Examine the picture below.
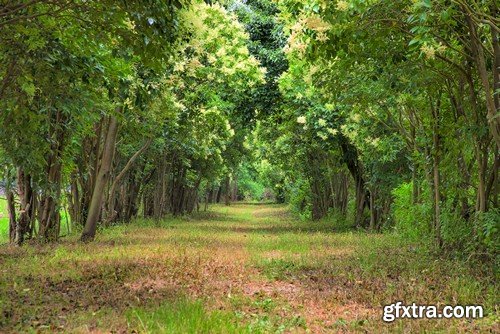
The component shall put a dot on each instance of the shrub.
(412, 221)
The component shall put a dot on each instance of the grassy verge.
(246, 268)
(183, 316)
(66, 227)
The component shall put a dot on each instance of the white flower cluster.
(342, 5)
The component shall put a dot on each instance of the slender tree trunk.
(234, 189)
(111, 199)
(74, 201)
(192, 199)
(218, 194)
(207, 195)
(437, 201)
(492, 187)
(316, 210)
(49, 206)
(360, 201)
(87, 170)
(373, 210)
(478, 53)
(496, 57)
(11, 209)
(51, 196)
(435, 172)
(481, 158)
(26, 209)
(334, 195)
(159, 192)
(101, 181)
(344, 195)
(414, 173)
(227, 197)
(351, 159)
(133, 196)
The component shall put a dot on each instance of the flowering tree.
(398, 78)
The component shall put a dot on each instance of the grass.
(247, 268)
(4, 222)
(183, 316)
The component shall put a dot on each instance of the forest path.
(242, 268)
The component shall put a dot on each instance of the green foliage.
(4, 222)
(457, 232)
(412, 220)
(489, 230)
(266, 42)
(249, 186)
(299, 195)
(390, 110)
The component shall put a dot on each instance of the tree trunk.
(26, 207)
(482, 160)
(437, 202)
(234, 189)
(360, 201)
(227, 197)
(350, 156)
(74, 200)
(49, 204)
(492, 187)
(435, 169)
(11, 209)
(207, 195)
(111, 198)
(478, 53)
(101, 181)
(373, 210)
(218, 194)
(343, 195)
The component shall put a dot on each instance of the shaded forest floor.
(246, 268)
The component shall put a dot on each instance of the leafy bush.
(412, 221)
(299, 195)
(488, 226)
(248, 186)
(455, 231)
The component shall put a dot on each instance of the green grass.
(183, 316)
(247, 268)
(66, 227)
(4, 222)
